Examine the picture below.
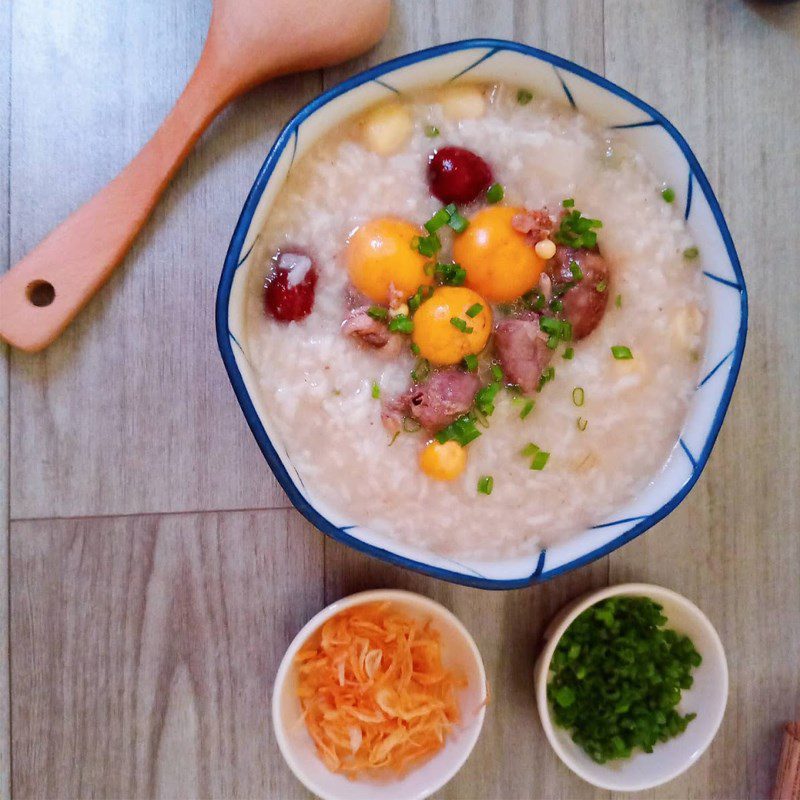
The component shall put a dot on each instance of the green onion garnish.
(462, 431)
(582, 423)
(411, 425)
(427, 245)
(486, 484)
(526, 409)
(495, 193)
(431, 131)
(601, 287)
(438, 220)
(578, 396)
(691, 252)
(394, 438)
(539, 460)
(459, 323)
(471, 362)
(474, 310)
(576, 230)
(550, 325)
(419, 297)
(556, 305)
(378, 312)
(415, 348)
(421, 370)
(529, 450)
(485, 397)
(568, 203)
(534, 300)
(668, 194)
(524, 97)
(575, 269)
(552, 342)
(616, 678)
(401, 324)
(547, 375)
(621, 353)
(376, 390)
(618, 301)
(568, 353)
(450, 274)
(497, 373)
(458, 223)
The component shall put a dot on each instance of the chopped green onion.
(547, 375)
(524, 97)
(691, 252)
(401, 324)
(526, 409)
(411, 425)
(529, 450)
(458, 223)
(495, 193)
(576, 230)
(415, 348)
(582, 423)
(575, 269)
(450, 274)
(556, 305)
(486, 484)
(668, 194)
(568, 203)
(427, 245)
(621, 353)
(568, 353)
(578, 396)
(459, 323)
(438, 220)
(462, 431)
(539, 460)
(419, 297)
(376, 390)
(471, 362)
(550, 325)
(378, 312)
(421, 370)
(552, 342)
(618, 301)
(497, 373)
(394, 438)
(431, 131)
(601, 287)
(485, 397)
(474, 310)
(534, 299)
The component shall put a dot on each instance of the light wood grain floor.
(154, 571)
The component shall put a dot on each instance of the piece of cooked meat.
(584, 305)
(522, 350)
(443, 397)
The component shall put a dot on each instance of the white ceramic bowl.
(458, 650)
(707, 697)
(632, 121)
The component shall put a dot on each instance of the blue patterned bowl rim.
(234, 258)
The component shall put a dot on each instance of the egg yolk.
(499, 262)
(379, 255)
(443, 462)
(443, 330)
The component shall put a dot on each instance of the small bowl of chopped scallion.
(631, 686)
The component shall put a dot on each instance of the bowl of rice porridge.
(482, 313)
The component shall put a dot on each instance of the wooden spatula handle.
(41, 294)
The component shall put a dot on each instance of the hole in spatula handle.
(40, 293)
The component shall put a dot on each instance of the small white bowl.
(458, 651)
(707, 697)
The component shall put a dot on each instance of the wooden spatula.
(249, 42)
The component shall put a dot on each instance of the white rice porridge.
(317, 383)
